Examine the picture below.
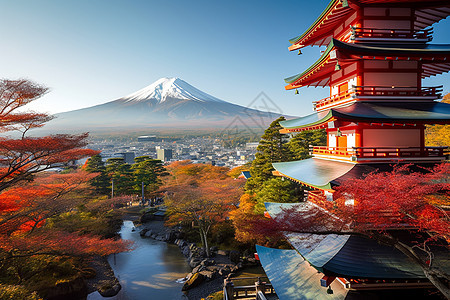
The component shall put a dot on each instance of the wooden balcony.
(379, 93)
(406, 92)
(341, 97)
(380, 153)
(377, 34)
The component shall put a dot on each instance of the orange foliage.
(24, 208)
(382, 201)
(249, 225)
(200, 193)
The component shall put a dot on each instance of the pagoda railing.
(397, 91)
(380, 152)
(402, 34)
(337, 151)
(369, 152)
(375, 91)
(334, 98)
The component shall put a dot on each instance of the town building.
(378, 52)
(164, 154)
(147, 138)
(128, 157)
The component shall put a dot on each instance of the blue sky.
(94, 51)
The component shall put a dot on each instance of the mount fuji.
(166, 103)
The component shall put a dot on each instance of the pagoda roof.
(293, 278)
(327, 174)
(352, 256)
(317, 173)
(435, 59)
(430, 112)
(321, 31)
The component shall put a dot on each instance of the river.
(149, 271)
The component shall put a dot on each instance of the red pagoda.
(377, 54)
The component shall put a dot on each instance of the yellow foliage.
(438, 135)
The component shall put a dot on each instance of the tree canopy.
(438, 135)
(31, 194)
(200, 193)
(378, 206)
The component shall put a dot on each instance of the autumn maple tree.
(202, 194)
(380, 206)
(438, 135)
(30, 193)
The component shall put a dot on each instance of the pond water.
(149, 271)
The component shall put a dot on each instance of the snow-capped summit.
(166, 103)
(170, 87)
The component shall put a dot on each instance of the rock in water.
(194, 281)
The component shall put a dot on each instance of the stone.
(188, 276)
(148, 233)
(223, 252)
(196, 269)
(214, 268)
(143, 232)
(194, 262)
(201, 252)
(186, 251)
(194, 281)
(110, 292)
(224, 271)
(208, 275)
(169, 236)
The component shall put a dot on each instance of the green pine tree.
(148, 171)
(121, 173)
(272, 148)
(278, 190)
(300, 142)
(101, 183)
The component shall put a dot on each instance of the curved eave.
(313, 172)
(320, 32)
(326, 187)
(426, 50)
(421, 113)
(427, 13)
(324, 58)
(435, 60)
(313, 121)
(430, 112)
(293, 277)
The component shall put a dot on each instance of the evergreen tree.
(278, 190)
(299, 143)
(272, 148)
(148, 171)
(121, 173)
(101, 183)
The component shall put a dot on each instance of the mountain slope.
(166, 103)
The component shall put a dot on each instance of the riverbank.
(208, 285)
(105, 278)
(210, 271)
